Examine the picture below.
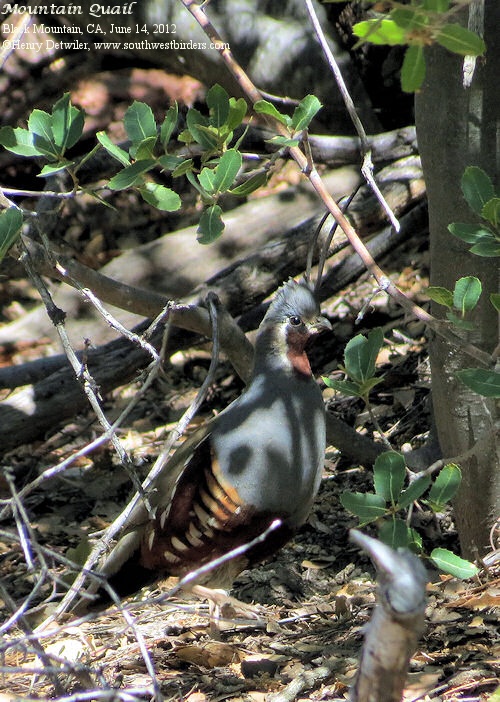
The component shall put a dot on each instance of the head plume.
(292, 299)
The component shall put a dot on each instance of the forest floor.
(315, 596)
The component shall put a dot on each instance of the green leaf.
(183, 168)
(305, 112)
(442, 296)
(495, 300)
(467, 293)
(454, 565)
(207, 179)
(487, 248)
(159, 196)
(249, 186)
(11, 221)
(344, 386)
(211, 225)
(459, 322)
(445, 487)
(185, 137)
(280, 140)
(206, 197)
(113, 149)
(460, 40)
(413, 69)
(264, 107)
(415, 543)
(49, 170)
(477, 188)
(218, 103)
(195, 120)
(395, 533)
(40, 126)
(237, 111)
(169, 124)
(389, 473)
(227, 169)
(139, 122)
(377, 31)
(18, 141)
(369, 384)
(491, 211)
(481, 380)
(361, 354)
(471, 233)
(67, 123)
(366, 506)
(413, 492)
(130, 175)
(40, 123)
(410, 20)
(437, 5)
(144, 149)
(220, 178)
(169, 163)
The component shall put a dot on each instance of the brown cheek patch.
(296, 342)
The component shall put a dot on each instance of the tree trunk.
(459, 127)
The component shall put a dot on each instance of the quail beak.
(316, 326)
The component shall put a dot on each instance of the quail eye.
(295, 321)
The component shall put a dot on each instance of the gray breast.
(270, 444)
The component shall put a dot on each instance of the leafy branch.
(424, 23)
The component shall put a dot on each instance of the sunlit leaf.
(249, 186)
(442, 296)
(267, 108)
(467, 293)
(454, 565)
(361, 354)
(195, 120)
(305, 112)
(161, 197)
(130, 175)
(445, 487)
(378, 31)
(18, 141)
(67, 123)
(491, 211)
(169, 124)
(139, 122)
(113, 149)
(413, 492)
(218, 103)
(211, 225)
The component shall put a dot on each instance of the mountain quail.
(259, 460)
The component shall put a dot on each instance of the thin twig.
(159, 465)
(81, 371)
(367, 167)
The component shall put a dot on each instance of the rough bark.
(458, 127)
